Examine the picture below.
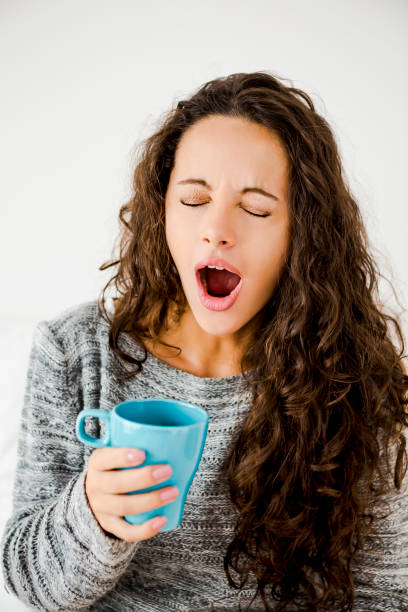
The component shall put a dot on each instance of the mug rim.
(163, 400)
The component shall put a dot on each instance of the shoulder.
(82, 314)
(74, 330)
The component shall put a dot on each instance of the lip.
(217, 261)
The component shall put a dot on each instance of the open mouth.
(218, 283)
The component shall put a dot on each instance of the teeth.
(216, 267)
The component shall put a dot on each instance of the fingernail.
(169, 493)
(136, 456)
(159, 522)
(162, 472)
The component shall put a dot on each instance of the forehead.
(233, 146)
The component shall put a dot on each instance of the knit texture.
(55, 556)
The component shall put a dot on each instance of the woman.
(281, 340)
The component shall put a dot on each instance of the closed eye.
(248, 211)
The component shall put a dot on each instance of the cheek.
(172, 230)
(174, 222)
(178, 239)
(268, 266)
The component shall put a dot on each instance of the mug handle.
(99, 413)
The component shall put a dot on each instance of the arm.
(381, 576)
(54, 554)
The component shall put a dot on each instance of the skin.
(229, 154)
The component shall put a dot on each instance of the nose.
(217, 225)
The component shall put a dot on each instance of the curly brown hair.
(329, 389)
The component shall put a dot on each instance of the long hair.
(329, 388)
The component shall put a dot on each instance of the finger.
(110, 458)
(131, 533)
(126, 505)
(124, 481)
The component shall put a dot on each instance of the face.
(229, 155)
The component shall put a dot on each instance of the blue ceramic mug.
(169, 431)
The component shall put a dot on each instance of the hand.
(106, 489)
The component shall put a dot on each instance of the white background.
(83, 82)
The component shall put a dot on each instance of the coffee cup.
(169, 431)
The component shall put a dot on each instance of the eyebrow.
(245, 190)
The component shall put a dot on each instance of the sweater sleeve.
(55, 555)
(381, 580)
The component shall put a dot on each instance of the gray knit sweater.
(54, 554)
